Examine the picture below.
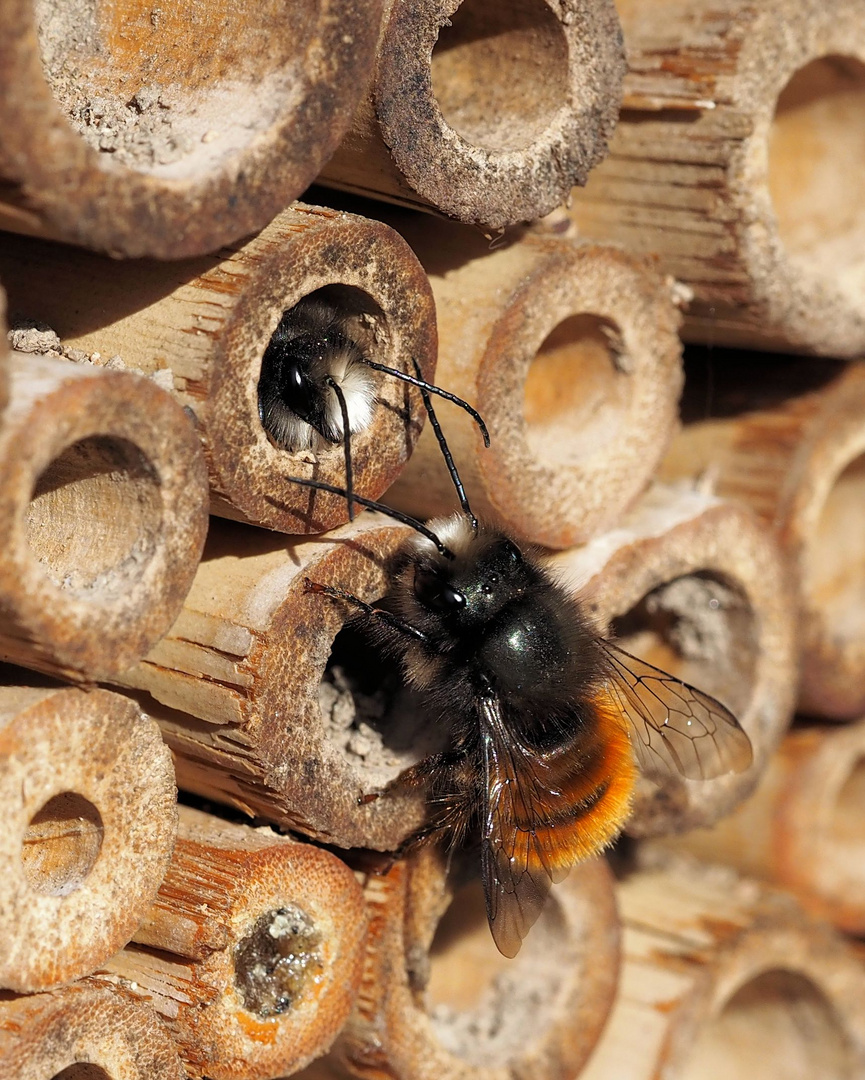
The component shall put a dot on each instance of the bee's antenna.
(445, 449)
(346, 445)
(422, 384)
(371, 504)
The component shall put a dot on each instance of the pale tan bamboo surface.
(252, 952)
(789, 441)
(449, 123)
(571, 354)
(169, 132)
(723, 978)
(84, 1032)
(103, 514)
(738, 159)
(88, 801)
(203, 325)
(698, 588)
(438, 1002)
(237, 687)
(803, 827)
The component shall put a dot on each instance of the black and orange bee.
(549, 721)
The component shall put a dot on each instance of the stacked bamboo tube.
(723, 550)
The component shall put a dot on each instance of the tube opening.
(816, 164)
(61, 844)
(833, 573)
(485, 1008)
(278, 961)
(483, 62)
(576, 390)
(699, 628)
(82, 1070)
(326, 336)
(377, 723)
(125, 78)
(94, 518)
(778, 1026)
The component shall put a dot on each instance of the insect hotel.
(432, 540)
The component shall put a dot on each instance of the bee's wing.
(675, 728)
(520, 856)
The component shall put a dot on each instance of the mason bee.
(549, 722)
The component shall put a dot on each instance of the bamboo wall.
(632, 236)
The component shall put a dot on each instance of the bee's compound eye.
(437, 594)
(512, 552)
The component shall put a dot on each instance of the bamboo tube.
(84, 1032)
(722, 978)
(696, 587)
(205, 325)
(571, 354)
(170, 131)
(254, 950)
(88, 799)
(439, 1003)
(238, 686)
(738, 160)
(790, 442)
(103, 513)
(802, 827)
(449, 122)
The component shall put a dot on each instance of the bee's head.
(486, 572)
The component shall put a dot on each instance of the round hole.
(833, 574)
(485, 1008)
(61, 844)
(377, 723)
(82, 1070)
(123, 77)
(699, 629)
(326, 336)
(277, 961)
(95, 515)
(483, 62)
(575, 391)
(778, 1026)
(816, 165)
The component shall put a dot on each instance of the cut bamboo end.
(697, 588)
(254, 952)
(103, 514)
(84, 1032)
(88, 796)
(170, 132)
(262, 706)
(438, 1002)
(738, 160)
(448, 123)
(722, 978)
(571, 354)
(205, 326)
(792, 446)
(802, 827)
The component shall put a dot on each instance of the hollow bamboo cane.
(571, 354)
(88, 798)
(84, 1032)
(103, 513)
(438, 1001)
(696, 587)
(723, 978)
(171, 131)
(449, 123)
(252, 951)
(789, 441)
(237, 687)
(738, 161)
(801, 829)
(205, 324)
